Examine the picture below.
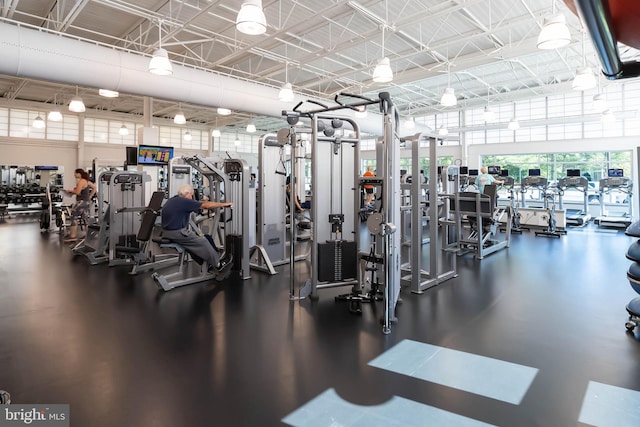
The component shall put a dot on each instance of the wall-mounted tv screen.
(534, 172)
(493, 170)
(573, 172)
(464, 170)
(504, 172)
(46, 168)
(614, 173)
(154, 155)
(473, 172)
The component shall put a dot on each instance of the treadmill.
(573, 180)
(616, 182)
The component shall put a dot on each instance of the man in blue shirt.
(175, 225)
(485, 179)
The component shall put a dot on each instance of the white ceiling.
(484, 49)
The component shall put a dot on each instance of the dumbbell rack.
(26, 198)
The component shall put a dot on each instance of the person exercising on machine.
(84, 191)
(175, 227)
(485, 179)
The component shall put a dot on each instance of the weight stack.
(337, 261)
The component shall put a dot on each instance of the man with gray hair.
(175, 226)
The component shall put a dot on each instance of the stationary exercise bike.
(552, 226)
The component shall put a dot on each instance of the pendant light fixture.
(223, 111)
(449, 96)
(76, 105)
(123, 131)
(584, 79)
(55, 115)
(216, 131)
(513, 124)
(286, 91)
(599, 103)
(160, 64)
(409, 123)
(488, 115)
(39, 123)
(555, 33)
(607, 118)
(179, 118)
(187, 136)
(443, 131)
(251, 19)
(251, 127)
(383, 73)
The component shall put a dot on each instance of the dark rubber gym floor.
(123, 353)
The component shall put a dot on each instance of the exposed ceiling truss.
(484, 49)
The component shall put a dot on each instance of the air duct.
(43, 55)
(597, 18)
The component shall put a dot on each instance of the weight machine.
(120, 222)
(442, 258)
(483, 216)
(272, 245)
(335, 206)
(181, 172)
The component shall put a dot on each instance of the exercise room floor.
(530, 336)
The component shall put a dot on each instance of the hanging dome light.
(123, 131)
(443, 131)
(599, 103)
(224, 111)
(76, 105)
(251, 19)
(513, 124)
(179, 118)
(251, 127)
(607, 118)
(448, 98)
(216, 133)
(187, 136)
(410, 123)
(555, 33)
(55, 116)
(584, 79)
(489, 115)
(383, 73)
(286, 93)
(39, 123)
(160, 64)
